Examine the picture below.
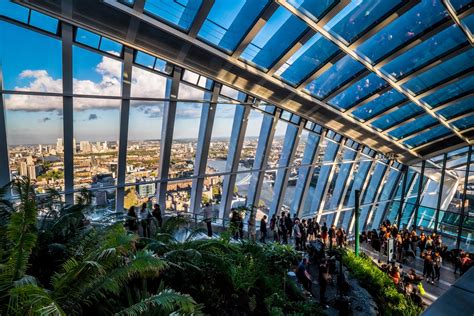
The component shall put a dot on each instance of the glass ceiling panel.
(432, 134)
(458, 5)
(229, 21)
(412, 127)
(453, 90)
(314, 9)
(311, 56)
(461, 106)
(14, 11)
(358, 16)
(414, 22)
(178, 12)
(397, 116)
(44, 22)
(441, 72)
(469, 23)
(342, 71)
(464, 123)
(426, 52)
(359, 90)
(275, 37)
(374, 107)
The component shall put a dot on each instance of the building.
(59, 145)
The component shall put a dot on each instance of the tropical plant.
(379, 285)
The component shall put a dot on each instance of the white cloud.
(144, 84)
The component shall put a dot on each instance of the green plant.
(379, 285)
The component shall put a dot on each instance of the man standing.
(207, 212)
(263, 228)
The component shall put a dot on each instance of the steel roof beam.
(257, 26)
(200, 17)
(375, 69)
(457, 19)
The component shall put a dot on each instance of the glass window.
(252, 133)
(378, 105)
(407, 27)
(276, 147)
(111, 47)
(341, 72)
(278, 33)
(459, 5)
(14, 11)
(212, 193)
(178, 195)
(426, 52)
(371, 191)
(87, 38)
(297, 159)
(44, 22)
(144, 59)
(241, 189)
(464, 123)
(233, 93)
(186, 131)
(25, 67)
(449, 69)
(311, 56)
(358, 91)
(220, 138)
(461, 106)
(149, 84)
(34, 127)
(314, 199)
(315, 9)
(180, 13)
(398, 116)
(96, 133)
(412, 127)
(144, 140)
(95, 74)
(468, 22)
(358, 16)
(453, 90)
(386, 194)
(432, 134)
(229, 21)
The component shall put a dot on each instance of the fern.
(166, 302)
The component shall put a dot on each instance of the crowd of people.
(146, 219)
(302, 231)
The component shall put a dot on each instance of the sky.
(32, 62)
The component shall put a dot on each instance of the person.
(297, 234)
(332, 235)
(283, 232)
(339, 237)
(131, 222)
(310, 229)
(235, 223)
(428, 269)
(289, 225)
(323, 278)
(395, 274)
(466, 263)
(274, 227)
(303, 275)
(324, 233)
(207, 213)
(437, 265)
(422, 243)
(157, 214)
(145, 218)
(304, 233)
(413, 241)
(263, 228)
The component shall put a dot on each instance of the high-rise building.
(32, 172)
(23, 169)
(29, 160)
(59, 145)
(85, 146)
(74, 146)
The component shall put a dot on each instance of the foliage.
(379, 285)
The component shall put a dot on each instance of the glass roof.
(446, 70)
(469, 23)
(279, 33)
(358, 91)
(342, 71)
(315, 9)
(426, 52)
(459, 5)
(179, 13)
(453, 90)
(412, 127)
(423, 138)
(378, 105)
(407, 27)
(462, 106)
(229, 21)
(358, 16)
(464, 123)
(311, 56)
(398, 116)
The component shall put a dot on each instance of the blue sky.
(32, 61)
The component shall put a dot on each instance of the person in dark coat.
(263, 228)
